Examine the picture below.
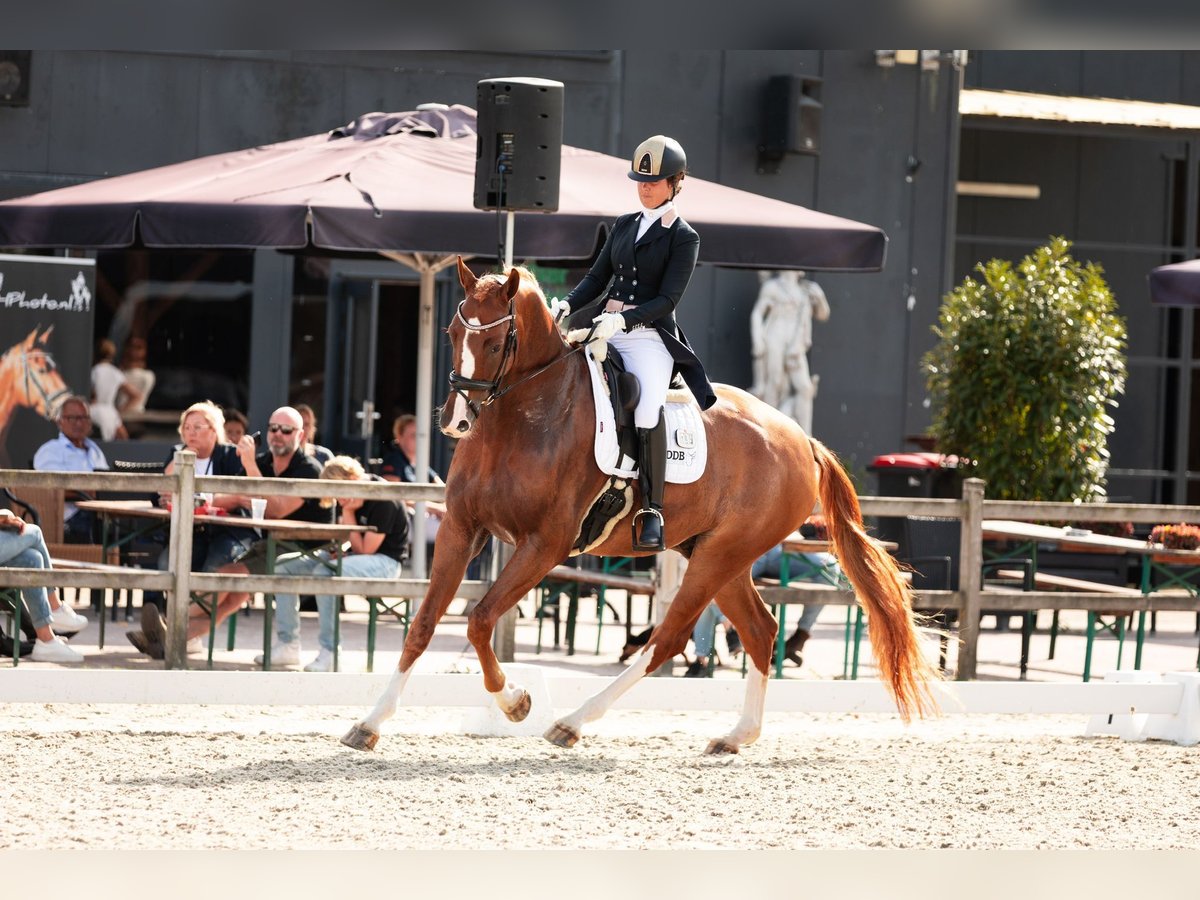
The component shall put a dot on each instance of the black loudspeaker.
(791, 119)
(518, 150)
(14, 77)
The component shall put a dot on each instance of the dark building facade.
(272, 327)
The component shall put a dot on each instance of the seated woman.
(22, 546)
(373, 554)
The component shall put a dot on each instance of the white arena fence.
(1134, 705)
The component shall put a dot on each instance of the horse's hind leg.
(668, 639)
(448, 569)
(757, 629)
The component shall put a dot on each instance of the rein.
(460, 385)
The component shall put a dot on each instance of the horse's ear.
(45, 335)
(513, 283)
(465, 276)
(31, 338)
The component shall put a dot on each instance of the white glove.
(607, 324)
(559, 309)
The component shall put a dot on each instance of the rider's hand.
(607, 324)
(559, 309)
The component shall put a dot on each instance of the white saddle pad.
(687, 443)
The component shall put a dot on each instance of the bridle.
(460, 385)
(31, 379)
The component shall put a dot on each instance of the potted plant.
(1028, 360)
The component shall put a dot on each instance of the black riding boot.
(652, 471)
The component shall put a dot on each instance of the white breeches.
(647, 358)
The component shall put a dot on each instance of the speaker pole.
(508, 240)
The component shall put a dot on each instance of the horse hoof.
(361, 738)
(720, 747)
(520, 709)
(561, 736)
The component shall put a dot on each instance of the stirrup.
(637, 540)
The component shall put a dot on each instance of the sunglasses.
(285, 429)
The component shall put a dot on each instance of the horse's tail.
(878, 584)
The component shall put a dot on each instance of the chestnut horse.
(29, 377)
(524, 472)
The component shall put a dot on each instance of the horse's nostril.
(463, 425)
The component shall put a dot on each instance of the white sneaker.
(65, 620)
(55, 651)
(323, 662)
(282, 654)
(195, 645)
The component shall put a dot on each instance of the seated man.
(283, 458)
(73, 451)
(374, 554)
(22, 546)
(818, 567)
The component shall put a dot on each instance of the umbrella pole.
(508, 240)
(427, 267)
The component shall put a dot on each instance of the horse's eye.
(496, 349)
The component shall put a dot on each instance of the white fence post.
(180, 558)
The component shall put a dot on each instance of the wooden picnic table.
(289, 532)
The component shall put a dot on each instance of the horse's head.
(501, 328)
(34, 379)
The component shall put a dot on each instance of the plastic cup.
(258, 508)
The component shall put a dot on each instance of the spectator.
(236, 425)
(322, 455)
(202, 427)
(141, 379)
(110, 390)
(818, 567)
(283, 458)
(73, 451)
(374, 554)
(399, 464)
(22, 546)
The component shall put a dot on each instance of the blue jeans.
(822, 568)
(287, 606)
(28, 551)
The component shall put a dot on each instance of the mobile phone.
(257, 438)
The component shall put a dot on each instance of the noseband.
(460, 385)
(31, 379)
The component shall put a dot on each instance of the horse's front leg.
(455, 547)
(528, 566)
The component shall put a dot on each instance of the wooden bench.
(569, 575)
(1061, 583)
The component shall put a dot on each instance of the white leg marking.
(594, 707)
(507, 697)
(749, 726)
(386, 707)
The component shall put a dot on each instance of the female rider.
(645, 265)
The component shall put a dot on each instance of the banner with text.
(46, 321)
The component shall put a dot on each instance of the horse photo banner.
(46, 316)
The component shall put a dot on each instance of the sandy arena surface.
(208, 777)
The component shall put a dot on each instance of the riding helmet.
(657, 158)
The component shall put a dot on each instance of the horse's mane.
(528, 280)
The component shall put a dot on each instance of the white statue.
(780, 336)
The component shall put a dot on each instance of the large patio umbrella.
(402, 184)
(1177, 284)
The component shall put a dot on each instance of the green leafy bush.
(1027, 362)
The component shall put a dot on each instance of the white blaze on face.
(459, 411)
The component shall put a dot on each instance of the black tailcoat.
(651, 274)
